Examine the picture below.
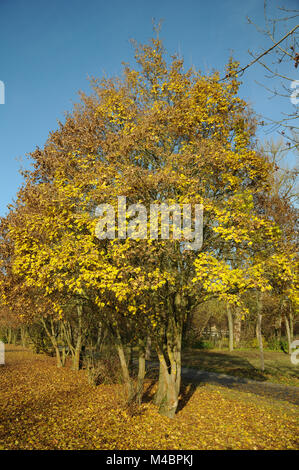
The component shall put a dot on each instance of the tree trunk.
(130, 357)
(14, 337)
(124, 366)
(259, 331)
(291, 325)
(23, 336)
(237, 328)
(230, 327)
(76, 359)
(169, 401)
(101, 337)
(9, 335)
(78, 348)
(141, 371)
(58, 357)
(63, 356)
(148, 348)
(278, 327)
(288, 331)
(161, 391)
(170, 375)
(52, 336)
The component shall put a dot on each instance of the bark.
(14, 338)
(9, 335)
(76, 359)
(170, 362)
(23, 336)
(77, 351)
(237, 328)
(288, 331)
(161, 391)
(204, 326)
(230, 327)
(169, 402)
(67, 337)
(124, 366)
(53, 339)
(141, 371)
(148, 348)
(58, 357)
(259, 331)
(63, 356)
(74, 341)
(291, 325)
(278, 327)
(102, 332)
(130, 356)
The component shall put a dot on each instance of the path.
(270, 389)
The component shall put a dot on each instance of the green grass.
(244, 363)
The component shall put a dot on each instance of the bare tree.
(282, 41)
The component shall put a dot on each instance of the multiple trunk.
(168, 348)
(133, 394)
(169, 353)
(167, 396)
(74, 340)
(11, 335)
(53, 335)
(61, 335)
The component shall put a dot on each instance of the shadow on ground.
(192, 378)
(220, 362)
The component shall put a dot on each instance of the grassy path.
(245, 364)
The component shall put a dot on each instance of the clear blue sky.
(49, 48)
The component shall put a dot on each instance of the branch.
(242, 70)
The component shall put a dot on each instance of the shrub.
(275, 344)
(222, 343)
(103, 367)
(254, 343)
(3, 338)
(203, 344)
(284, 345)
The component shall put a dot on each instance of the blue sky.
(49, 48)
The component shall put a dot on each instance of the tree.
(281, 34)
(158, 134)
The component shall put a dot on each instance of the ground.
(43, 407)
(245, 363)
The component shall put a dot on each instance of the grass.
(42, 407)
(245, 363)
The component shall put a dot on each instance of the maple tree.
(157, 134)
